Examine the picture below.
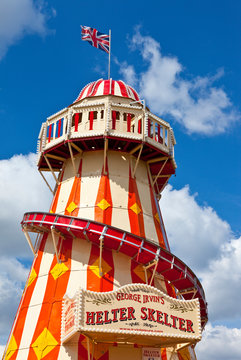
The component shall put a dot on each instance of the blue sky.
(184, 58)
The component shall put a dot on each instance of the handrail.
(130, 122)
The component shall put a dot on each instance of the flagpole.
(109, 55)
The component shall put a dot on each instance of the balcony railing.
(116, 120)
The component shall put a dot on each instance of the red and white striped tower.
(104, 228)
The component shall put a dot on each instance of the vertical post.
(109, 55)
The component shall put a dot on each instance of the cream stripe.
(79, 263)
(122, 270)
(36, 300)
(117, 90)
(118, 164)
(100, 90)
(90, 179)
(145, 199)
(67, 183)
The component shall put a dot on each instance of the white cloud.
(21, 190)
(219, 343)
(20, 17)
(221, 281)
(1, 350)
(195, 232)
(13, 276)
(196, 104)
(205, 242)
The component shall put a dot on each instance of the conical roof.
(108, 87)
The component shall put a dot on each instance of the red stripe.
(50, 132)
(113, 87)
(106, 87)
(139, 126)
(56, 195)
(136, 219)
(75, 193)
(128, 122)
(91, 119)
(113, 120)
(59, 127)
(90, 89)
(135, 93)
(76, 121)
(123, 89)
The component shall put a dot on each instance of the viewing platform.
(108, 121)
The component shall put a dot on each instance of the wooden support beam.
(161, 158)
(100, 260)
(137, 160)
(72, 158)
(46, 182)
(135, 149)
(146, 278)
(163, 176)
(76, 147)
(88, 347)
(55, 244)
(150, 176)
(55, 157)
(173, 352)
(159, 172)
(51, 169)
(29, 240)
(153, 273)
(105, 153)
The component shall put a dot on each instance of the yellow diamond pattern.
(157, 217)
(139, 271)
(12, 347)
(32, 277)
(72, 206)
(135, 208)
(104, 269)
(58, 270)
(44, 344)
(103, 204)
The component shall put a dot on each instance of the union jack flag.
(95, 38)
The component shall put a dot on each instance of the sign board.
(139, 310)
(151, 354)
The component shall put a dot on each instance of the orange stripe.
(164, 354)
(136, 218)
(155, 215)
(26, 297)
(56, 196)
(75, 193)
(103, 204)
(50, 314)
(96, 282)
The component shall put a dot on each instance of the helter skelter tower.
(103, 283)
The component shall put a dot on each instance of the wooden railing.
(120, 120)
